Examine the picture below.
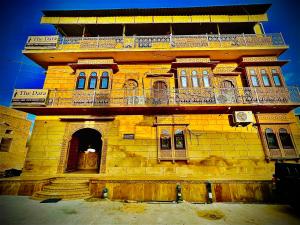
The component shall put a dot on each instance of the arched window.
(285, 139)
(183, 79)
(271, 139)
(165, 140)
(254, 79)
(93, 80)
(276, 78)
(206, 81)
(179, 139)
(131, 87)
(104, 80)
(195, 81)
(81, 81)
(265, 78)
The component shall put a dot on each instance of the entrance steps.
(66, 188)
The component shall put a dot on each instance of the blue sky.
(21, 19)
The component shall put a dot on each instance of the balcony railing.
(172, 41)
(175, 97)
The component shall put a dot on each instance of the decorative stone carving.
(71, 128)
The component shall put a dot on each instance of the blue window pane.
(254, 81)
(105, 74)
(92, 84)
(183, 82)
(93, 74)
(206, 81)
(252, 72)
(81, 74)
(80, 84)
(104, 83)
(195, 81)
(266, 81)
(276, 80)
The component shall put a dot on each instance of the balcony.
(143, 48)
(217, 100)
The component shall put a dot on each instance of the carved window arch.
(271, 139)
(179, 140)
(183, 79)
(265, 78)
(285, 139)
(130, 87)
(104, 80)
(206, 80)
(195, 81)
(276, 78)
(80, 84)
(254, 78)
(93, 80)
(165, 140)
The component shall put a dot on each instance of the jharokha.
(140, 104)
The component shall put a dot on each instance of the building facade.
(14, 132)
(141, 100)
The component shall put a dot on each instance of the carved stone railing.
(183, 96)
(172, 41)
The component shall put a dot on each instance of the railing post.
(256, 95)
(54, 97)
(244, 39)
(207, 40)
(220, 40)
(94, 97)
(282, 40)
(98, 41)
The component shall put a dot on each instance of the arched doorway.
(130, 91)
(228, 90)
(160, 92)
(84, 152)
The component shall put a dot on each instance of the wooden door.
(73, 154)
(160, 92)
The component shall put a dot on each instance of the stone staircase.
(65, 188)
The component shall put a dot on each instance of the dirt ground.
(22, 210)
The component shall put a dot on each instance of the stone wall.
(14, 126)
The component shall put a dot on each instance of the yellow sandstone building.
(142, 100)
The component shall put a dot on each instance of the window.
(285, 139)
(252, 72)
(206, 81)
(254, 81)
(278, 142)
(172, 143)
(179, 140)
(165, 140)
(183, 79)
(9, 131)
(81, 81)
(195, 82)
(104, 81)
(265, 78)
(276, 78)
(271, 139)
(93, 80)
(5, 144)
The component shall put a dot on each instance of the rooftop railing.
(172, 41)
(174, 97)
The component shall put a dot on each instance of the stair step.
(69, 182)
(42, 196)
(65, 188)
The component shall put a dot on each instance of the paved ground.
(22, 210)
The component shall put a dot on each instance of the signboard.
(128, 136)
(42, 42)
(29, 97)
